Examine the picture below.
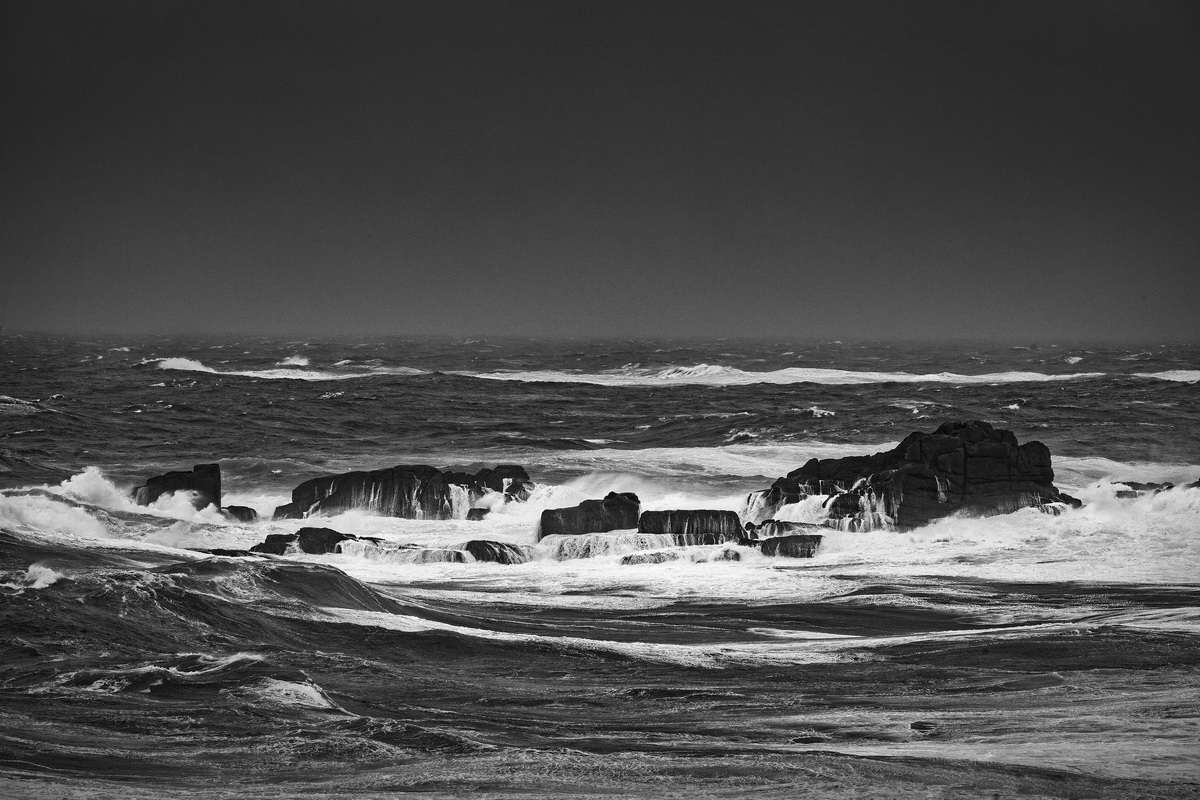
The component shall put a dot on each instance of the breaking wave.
(285, 372)
(717, 375)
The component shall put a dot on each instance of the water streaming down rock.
(617, 511)
(314, 541)
(718, 526)
(498, 552)
(561, 548)
(407, 491)
(391, 553)
(962, 467)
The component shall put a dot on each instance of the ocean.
(1027, 654)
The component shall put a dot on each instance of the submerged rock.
(1137, 489)
(477, 514)
(498, 552)
(204, 480)
(799, 545)
(655, 557)
(408, 491)
(962, 467)
(240, 513)
(617, 511)
(719, 526)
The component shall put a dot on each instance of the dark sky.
(921, 169)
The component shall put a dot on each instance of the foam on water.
(1177, 375)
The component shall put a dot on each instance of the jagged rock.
(723, 526)
(499, 552)
(800, 545)
(477, 514)
(614, 512)
(222, 551)
(408, 491)
(204, 480)
(967, 467)
(240, 513)
(315, 541)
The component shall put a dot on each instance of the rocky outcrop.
(204, 480)
(962, 467)
(720, 526)
(240, 513)
(478, 514)
(799, 545)
(774, 527)
(315, 541)
(498, 552)
(617, 511)
(408, 491)
(655, 557)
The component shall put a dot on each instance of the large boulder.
(967, 467)
(315, 541)
(617, 511)
(798, 545)
(204, 480)
(498, 552)
(240, 513)
(408, 491)
(718, 526)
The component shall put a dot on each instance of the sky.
(852, 169)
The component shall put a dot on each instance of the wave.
(717, 375)
(283, 373)
(294, 361)
(1176, 375)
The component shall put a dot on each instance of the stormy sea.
(147, 651)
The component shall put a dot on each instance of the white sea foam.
(294, 361)
(717, 375)
(284, 373)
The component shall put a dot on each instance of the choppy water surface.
(1023, 655)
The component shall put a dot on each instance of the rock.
(240, 513)
(775, 527)
(614, 512)
(726, 554)
(204, 480)
(657, 557)
(318, 541)
(222, 551)
(800, 545)
(498, 552)
(314, 541)
(1136, 489)
(721, 526)
(275, 544)
(477, 514)
(962, 467)
(408, 491)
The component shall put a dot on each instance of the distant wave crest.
(283, 373)
(1177, 375)
(717, 375)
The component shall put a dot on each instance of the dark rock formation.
(409, 491)
(499, 552)
(221, 551)
(204, 480)
(967, 467)
(315, 541)
(614, 512)
(799, 545)
(477, 514)
(723, 526)
(240, 513)
(655, 557)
